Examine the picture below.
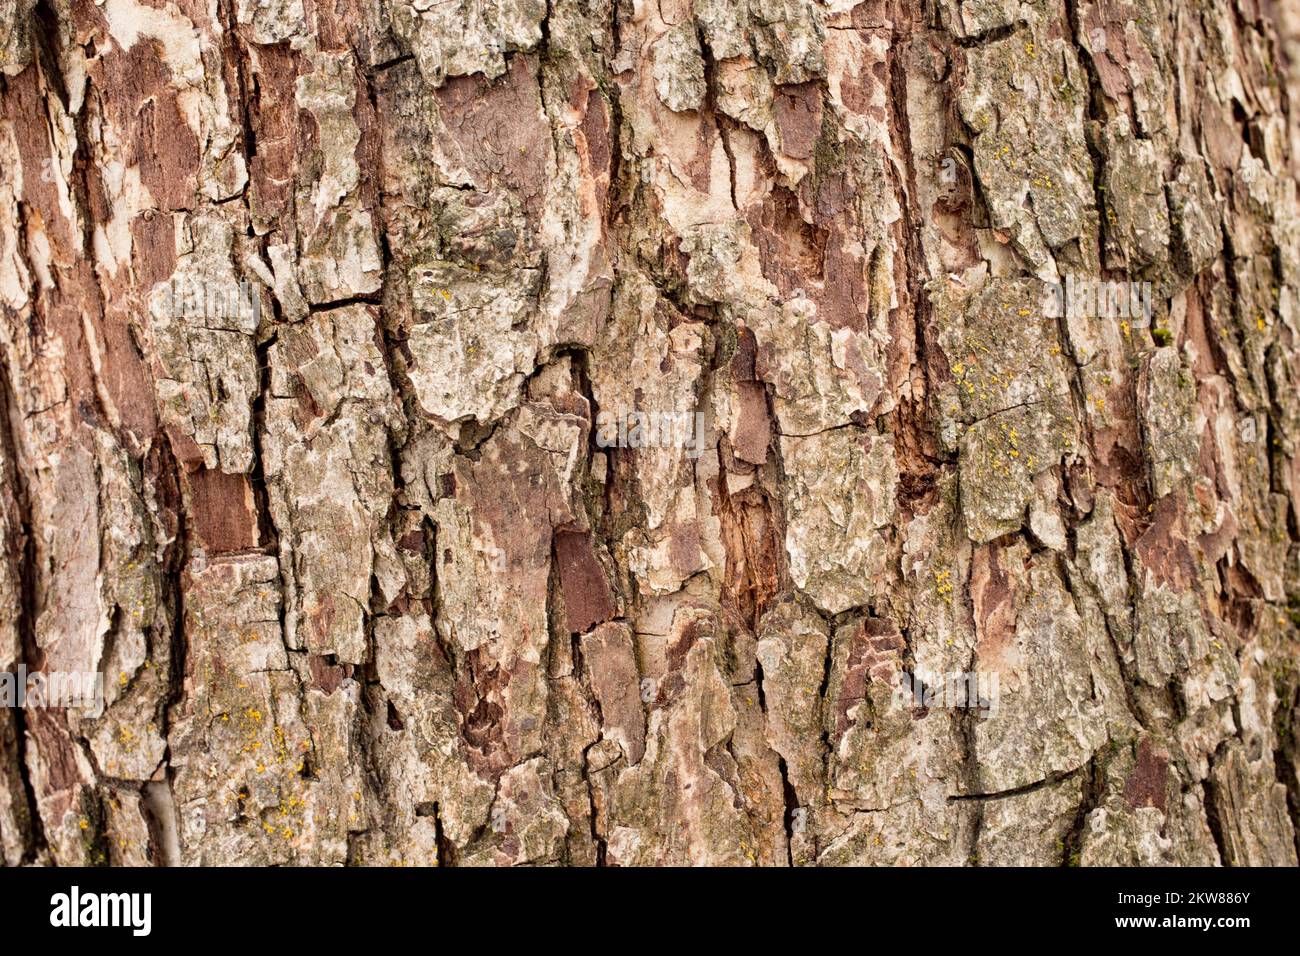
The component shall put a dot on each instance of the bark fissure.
(651, 417)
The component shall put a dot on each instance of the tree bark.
(351, 357)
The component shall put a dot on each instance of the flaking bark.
(368, 584)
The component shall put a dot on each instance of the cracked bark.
(367, 585)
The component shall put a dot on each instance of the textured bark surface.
(365, 580)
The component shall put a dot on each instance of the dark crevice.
(1093, 788)
(1213, 821)
(20, 553)
(1094, 123)
(389, 64)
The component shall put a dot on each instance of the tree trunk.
(706, 431)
